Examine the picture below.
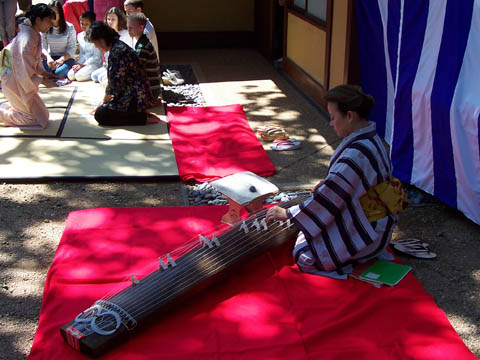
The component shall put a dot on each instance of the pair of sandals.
(413, 248)
(172, 77)
(279, 136)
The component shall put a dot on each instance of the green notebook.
(385, 272)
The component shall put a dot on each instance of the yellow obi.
(385, 198)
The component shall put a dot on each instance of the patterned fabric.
(57, 44)
(334, 227)
(384, 198)
(126, 79)
(148, 59)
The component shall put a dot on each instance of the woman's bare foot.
(152, 119)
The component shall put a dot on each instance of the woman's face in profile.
(340, 122)
(43, 25)
(112, 21)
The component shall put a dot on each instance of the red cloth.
(267, 309)
(102, 6)
(72, 10)
(215, 141)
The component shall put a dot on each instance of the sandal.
(419, 251)
(272, 132)
(285, 144)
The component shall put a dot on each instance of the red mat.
(267, 310)
(215, 141)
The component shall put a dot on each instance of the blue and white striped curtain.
(420, 59)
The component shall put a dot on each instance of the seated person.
(145, 51)
(335, 233)
(59, 44)
(128, 93)
(20, 85)
(136, 6)
(89, 57)
(116, 19)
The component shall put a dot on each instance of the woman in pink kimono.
(20, 85)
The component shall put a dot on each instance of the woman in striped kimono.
(335, 232)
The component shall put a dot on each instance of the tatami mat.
(22, 158)
(75, 146)
(57, 101)
(81, 124)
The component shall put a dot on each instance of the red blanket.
(215, 141)
(268, 309)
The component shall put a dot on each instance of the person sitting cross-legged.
(128, 94)
(145, 51)
(59, 43)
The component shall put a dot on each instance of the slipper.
(407, 241)
(416, 251)
(172, 80)
(410, 241)
(283, 139)
(270, 132)
(287, 144)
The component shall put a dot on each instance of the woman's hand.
(52, 64)
(276, 213)
(107, 98)
(77, 67)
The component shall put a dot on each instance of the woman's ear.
(352, 116)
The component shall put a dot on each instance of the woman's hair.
(100, 30)
(89, 15)
(62, 24)
(351, 98)
(122, 19)
(41, 11)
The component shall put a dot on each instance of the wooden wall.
(202, 23)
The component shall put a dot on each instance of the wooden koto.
(111, 320)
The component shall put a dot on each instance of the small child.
(144, 48)
(89, 58)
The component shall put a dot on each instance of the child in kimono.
(336, 232)
(20, 85)
(89, 57)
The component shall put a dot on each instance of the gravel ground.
(33, 218)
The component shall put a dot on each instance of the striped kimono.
(335, 233)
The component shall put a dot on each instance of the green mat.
(74, 146)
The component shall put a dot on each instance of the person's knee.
(71, 75)
(83, 75)
(101, 115)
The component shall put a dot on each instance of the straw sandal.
(272, 132)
